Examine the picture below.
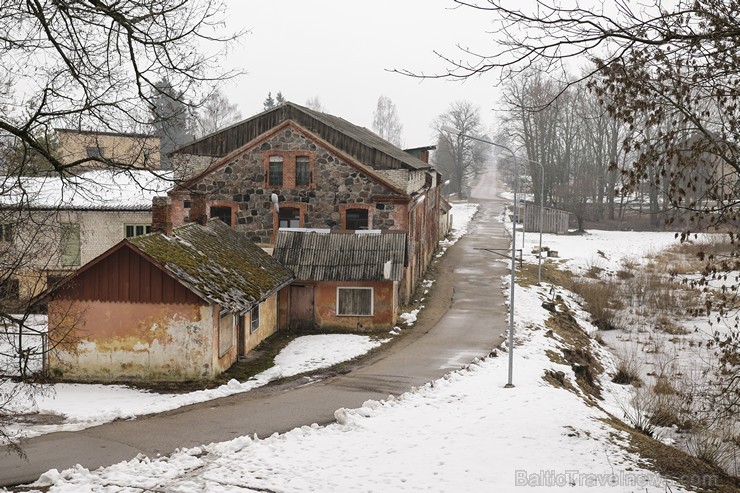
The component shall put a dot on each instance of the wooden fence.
(553, 220)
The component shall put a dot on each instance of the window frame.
(146, 228)
(64, 256)
(7, 232)
(303, 160)
(253, 327)
(289, 208)
(10, 289)
(95, 152)
(222, 208)
(351, 210)
(275, 159)
(356, 288)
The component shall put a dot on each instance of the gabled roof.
(217, 263)
(358, 142)
(341, 256)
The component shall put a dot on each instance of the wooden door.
(301, 307)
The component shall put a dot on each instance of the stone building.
(325, 173)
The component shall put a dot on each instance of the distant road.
(473, 325)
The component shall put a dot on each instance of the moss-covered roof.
(217, 263)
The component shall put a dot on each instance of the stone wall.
(244, 182)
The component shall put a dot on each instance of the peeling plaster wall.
(384, 314)
(131, 341)
(268, 324)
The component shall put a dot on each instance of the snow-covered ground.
(84, 405)
(464, 432)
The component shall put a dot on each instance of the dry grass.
(674, 463)
(576, 352)
(602, 302)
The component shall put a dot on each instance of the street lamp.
(457, 132)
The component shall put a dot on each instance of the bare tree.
(670, 75)
(315, 104)
(456, 157)
(386, 122)
(216, 113)
(82, 65)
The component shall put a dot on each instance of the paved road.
(473, 325)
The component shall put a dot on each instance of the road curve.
(473, 325)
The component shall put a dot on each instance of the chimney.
(198, 208)
(161, 215)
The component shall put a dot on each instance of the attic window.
(95, 152)
(133, 230)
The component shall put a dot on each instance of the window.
(94, 152)
(222, 213)
(9, 289)
(289, 217)
(254, 319)
(356, 219)
(70, 244)
(275, 177)
(355, 301)
(132, 230)
(6, 232)
(302, 171)
(53, 280)
(225, 333)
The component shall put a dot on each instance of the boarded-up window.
(225, 333)
(70, 244)
(275, 176)
(302, 171)
(356, 219)
(254, 319)
(355, 301)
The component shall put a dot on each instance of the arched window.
(289, 217)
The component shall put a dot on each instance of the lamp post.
(457, 132)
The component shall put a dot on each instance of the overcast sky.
(340, 51)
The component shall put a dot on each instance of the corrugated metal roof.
(217, 263)
(341, 256)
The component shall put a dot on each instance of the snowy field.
(464, 432)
